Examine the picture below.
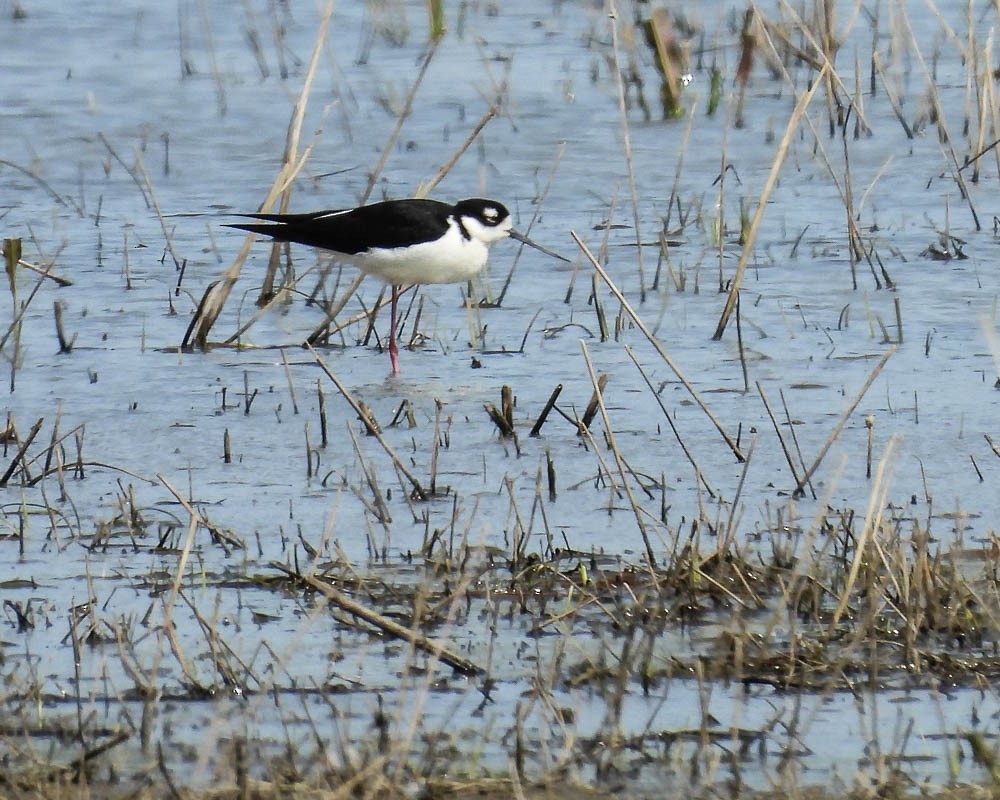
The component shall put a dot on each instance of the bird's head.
(485, 220)
(489, 221)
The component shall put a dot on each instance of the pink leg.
(393, 349)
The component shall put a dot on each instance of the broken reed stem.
(45, 272)
(618, 457)
(657, 346)
(772, 178)
(418, 490)
(21, 450)
(536, 429)
(65, 345)
(321, 399)
(386, 625)
(843, 420)
(595, 400)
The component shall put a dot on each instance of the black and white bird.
(401, 242)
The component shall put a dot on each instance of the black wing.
(393, 223)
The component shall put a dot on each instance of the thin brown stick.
(425, 189)
(407, 108)
(156, 207)
(781, 439)
(843, 419)
(386, 625)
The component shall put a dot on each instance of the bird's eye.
(491, 214)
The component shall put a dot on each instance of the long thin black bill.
(525, 240)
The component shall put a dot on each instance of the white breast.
(450, 259)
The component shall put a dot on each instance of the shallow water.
(86, 97)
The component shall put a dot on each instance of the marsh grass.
(853, 601)
(861, 598)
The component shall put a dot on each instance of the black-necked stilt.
(402, 242)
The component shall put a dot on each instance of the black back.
(392, 223)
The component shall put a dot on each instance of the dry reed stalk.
(873, 523)
(321, 399)
(377, 507)
(729, 531)
(855, 243)
(218, 292)
(424, 189)
(781, 439)
(818, 61)
(65, 345)
(156, 207)
(291, 383)
(779, 160)
(390, 627)
(418, 490)
(66, 202)
(131, 171)
(658, 347)
(400, 119)
(223, 656)
(263, 308)
(940, 120)
(309, 453)
(195, 519)
(20, 308)
(206, 30)
(675, 187)
(843, 419)
(627, 143)
(594, 403)
(322, 333)
(894, 104)
(436, 446)
(45, 272)
(748, 46)
(609, 431)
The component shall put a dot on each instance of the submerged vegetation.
(637, 563)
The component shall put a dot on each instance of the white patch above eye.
(491, 214)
